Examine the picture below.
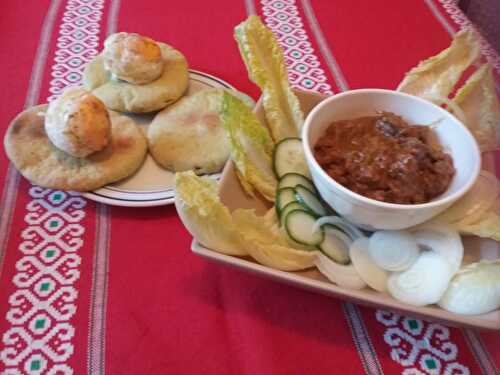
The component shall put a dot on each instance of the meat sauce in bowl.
(384, 158)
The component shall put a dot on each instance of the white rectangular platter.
(233, 196)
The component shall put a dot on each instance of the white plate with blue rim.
(153, 185)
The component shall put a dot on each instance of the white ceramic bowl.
(372, 214)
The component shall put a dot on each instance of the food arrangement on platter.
(390, 163)
(87, 138)
(374, 196)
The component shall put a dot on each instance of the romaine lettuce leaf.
(266, 67)
(264, 241)
(435, 77)
(251, 147)
(479, 103)
(488, 226)
(241, 232)
(471, 207)
(203, 214)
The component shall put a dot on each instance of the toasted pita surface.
(32, 153)
(127, 97)
(188, 135)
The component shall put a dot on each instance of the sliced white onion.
(343, 224)
(442, 239)
(424, 282)
(342, 275)
(474, 290)
(370, 272)
(393, 250)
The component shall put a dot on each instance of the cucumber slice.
(283, 197)
(342, 224)
(294, 179)
(310, 200)
(288, 157)
(299, 226)
(292, 206)
(336, 244)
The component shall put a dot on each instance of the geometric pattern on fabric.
(420, 347)
(39, 339)
(304, 71)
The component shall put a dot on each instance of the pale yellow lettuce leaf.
(488, 226)
(480, 106)
(266, 67)
(205, 217)
(478, 211)
(435, 77)
(470, 208)
(241, 232)
(251, 147)
(264, 241)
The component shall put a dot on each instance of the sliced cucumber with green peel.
(292, 206)
(310, 200)
(283, 197)
(293, 179)
(336, 244)
(288, 157)
(299, 226)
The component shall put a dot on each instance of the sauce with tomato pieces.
(384, 158)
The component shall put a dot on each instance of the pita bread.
(30, 150)
(189, 135)
(127, 97)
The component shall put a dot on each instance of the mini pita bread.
(126, 97)
(189, 135)
(32, 153)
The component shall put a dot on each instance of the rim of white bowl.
(437, 202)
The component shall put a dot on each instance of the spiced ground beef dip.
(384, 158)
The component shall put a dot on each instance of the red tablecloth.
(87, 288)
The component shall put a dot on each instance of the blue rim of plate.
(116, 196)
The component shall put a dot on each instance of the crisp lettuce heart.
(474, 204)
(251, 147)
(480, 106)
(435, 77)
(241, 232)
(264, 241)
(205, 217)
(478, 211)
(266, 67)
(488, 225)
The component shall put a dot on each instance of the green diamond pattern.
(413, 324)
(50, 253)
(44, 287)
(40, 323)
(57, 196)
(53, 224)
(430, 363)
(35, 365)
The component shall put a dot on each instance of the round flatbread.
(127, 97)
(189, 135)
(32, 153)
